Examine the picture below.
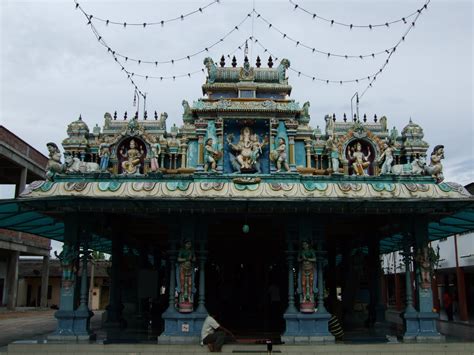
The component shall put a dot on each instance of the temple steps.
(149, 349)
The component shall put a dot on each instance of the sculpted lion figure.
(75, 165)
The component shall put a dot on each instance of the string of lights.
(312, 77)
(321, 52)
(129, 77)
(126, 24)
(184, 75)
(392, 52)
(371, 78)
(383, 24)
(172, 60)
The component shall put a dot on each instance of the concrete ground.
(26, 325)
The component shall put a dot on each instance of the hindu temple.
(244, 211)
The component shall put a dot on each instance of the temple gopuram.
(246, 212)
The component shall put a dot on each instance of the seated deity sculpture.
(360, 161)
(247, 150)
(131, 164)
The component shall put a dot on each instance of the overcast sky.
(53, 68)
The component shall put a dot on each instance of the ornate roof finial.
(246, 60)
(145, 115)
(375, 118)
(156, 116)
(136, 114)
(125, 116)
(365, 117)
(270, 62)
(234, 62)
(258, 63)
(345, 118)
(115, 115)
(222, 62)
(334, 117)
(80, 117)
(355, 117)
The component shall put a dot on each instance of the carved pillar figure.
(68, 258)
(424, 264)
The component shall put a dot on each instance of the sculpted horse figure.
(75, 165)
(416, 167)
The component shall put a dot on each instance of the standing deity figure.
(133, 156)
(360, 160)
(185, 277)
(387, 158)
(425, 265)
(279, 155)
(154, 155)
(333, 154)
(68, 258)
(104, 154)
(435, 169)
(307, 277)
(211, 156)
(54, 163)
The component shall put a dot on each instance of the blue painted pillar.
(68, 258)
(202, 274)
(410, 315)
(181, 328)
(426, 317)
(308, 328)
(83, 314)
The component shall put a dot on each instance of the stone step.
(149, 349)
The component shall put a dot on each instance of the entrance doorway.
(247, 277)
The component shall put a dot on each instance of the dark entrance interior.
(247, 276)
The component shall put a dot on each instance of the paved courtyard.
(36, 324)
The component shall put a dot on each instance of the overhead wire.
(385, 24)
(153, 23)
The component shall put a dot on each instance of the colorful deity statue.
(133, 158)
(185, 277)
(333, 153)
(426, 259)
(435, 169)
(154, 155)
(104, 155)
(211, 156)
(54, 163)
(279, 155)
(68, 258)
(360, 161)
(387, 158)
(307, 277)
(247, 150)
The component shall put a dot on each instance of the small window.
(247, 94)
